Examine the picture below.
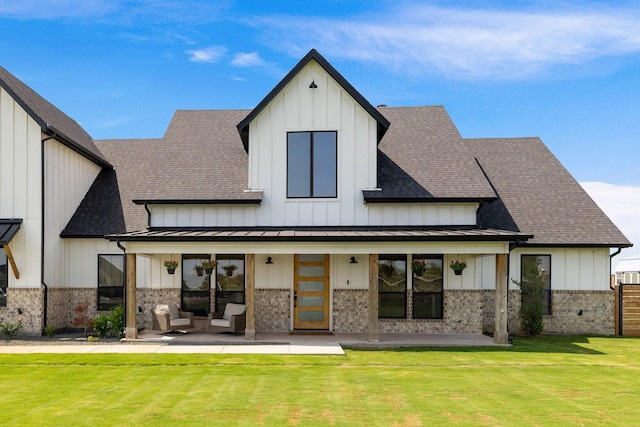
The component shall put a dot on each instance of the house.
(628, 271)
(322, 211)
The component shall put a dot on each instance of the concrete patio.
(150, 341)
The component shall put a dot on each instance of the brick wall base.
(30, 302)
(272, 310)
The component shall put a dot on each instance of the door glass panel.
(311, 258)
(311, 316)
(316, 286)
(311, 301)
(311, 271)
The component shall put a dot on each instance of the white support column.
(500, 332)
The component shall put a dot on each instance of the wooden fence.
(627, 308)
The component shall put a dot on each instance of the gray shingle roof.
(51, 119)
(538, 196)
(422, 156)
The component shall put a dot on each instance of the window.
(312, 164)
(392, 286)
(427, 286)
(195, 285)
(537, 269)
(4, 278)
(110, 281)
(229, 280)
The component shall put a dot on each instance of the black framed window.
(537, 269)
(427, 286)
(196, 285)
(392, 286)
(110, 281)
(4, 278)
(230, 281)
(312, 164)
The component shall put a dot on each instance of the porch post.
(374, 332)
(131, 328)
(500, 333)
(250, 331)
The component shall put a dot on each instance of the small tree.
(82, 319)
(531, 296)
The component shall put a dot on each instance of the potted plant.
(457, 266)
(229, 269)
(171, 265)
(208, 265)
(418, 266)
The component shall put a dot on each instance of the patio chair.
(234, 319)
(169, 317)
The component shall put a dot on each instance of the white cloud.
(208, 54)
(247, 60)
(622, 205)
(465, 43)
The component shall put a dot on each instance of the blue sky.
(568, 72)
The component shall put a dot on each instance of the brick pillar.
(250, 331)
(131, 328)
(500, 333)
(374, 331)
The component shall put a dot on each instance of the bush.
(531, 295)
(49, 331)
(10, 330)
(110, 325)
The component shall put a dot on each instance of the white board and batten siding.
(68, 177)
(584, 269)
(20, 187)
(327, 108)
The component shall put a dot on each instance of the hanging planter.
(229, 269)
(171, 266)
(457, 266)
(418, 266)
(199, 270)
(208, 265)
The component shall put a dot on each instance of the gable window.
(427, 286)
(312, 164)
(195, 285)
(4, 278)
(110, 281)
(537, 268)
(392, 286)
(229, 281)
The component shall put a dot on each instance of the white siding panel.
(586, 270)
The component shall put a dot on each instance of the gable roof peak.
(383, 123)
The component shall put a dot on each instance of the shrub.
(10, 330)
(49, 331)
(531, 294)
(111, 324)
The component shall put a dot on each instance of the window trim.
(440, 293)
(547, 294)
(124, 278)
(221, 257)
(206, 293)
(394, 257)
(311, 165)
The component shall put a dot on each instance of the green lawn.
(544, 381)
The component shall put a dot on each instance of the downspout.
(146, 208)
(42, 213)
(619, 295)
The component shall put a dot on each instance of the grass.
(555, 380)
